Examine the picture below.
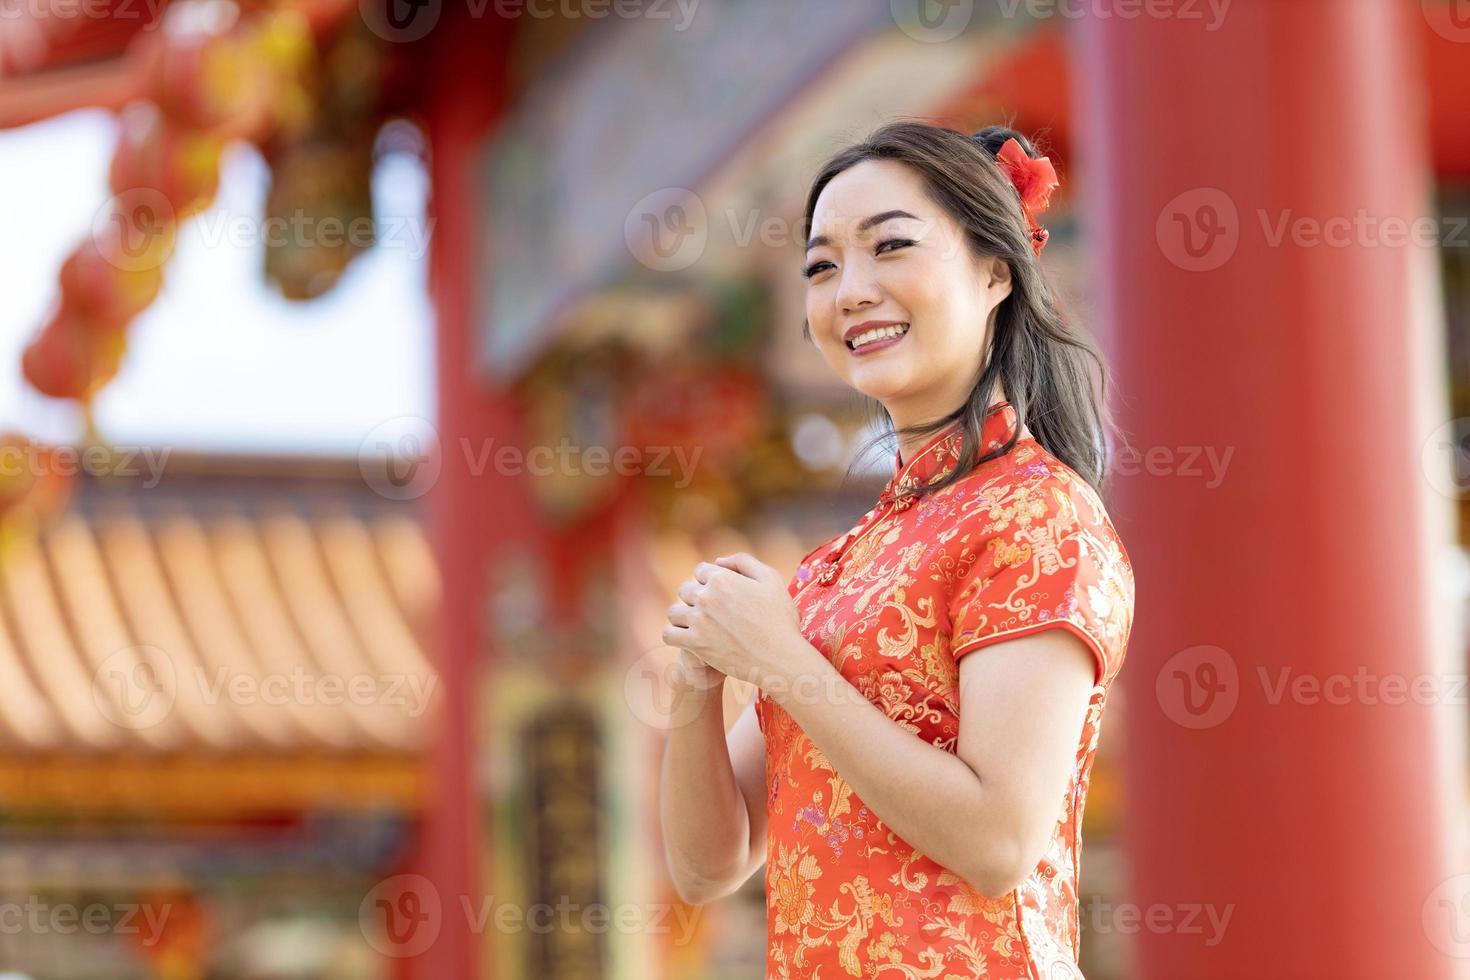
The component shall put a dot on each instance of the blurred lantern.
(33, 487)
(282, 41)
(204, 74)
(179, 948)
(112, 276)
(180, 164)
(322, 204)
(72, 357)
(572, 458)
(713, 410)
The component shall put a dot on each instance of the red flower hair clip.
(1034, 180)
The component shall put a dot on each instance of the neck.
(905, 414)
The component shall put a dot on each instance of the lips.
(875, 335)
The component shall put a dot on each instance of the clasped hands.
(736, 617)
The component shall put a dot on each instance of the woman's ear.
(998, 276)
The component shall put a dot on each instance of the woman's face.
(914, 268)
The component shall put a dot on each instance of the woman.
(918, 808)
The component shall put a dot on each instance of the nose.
(858, 288)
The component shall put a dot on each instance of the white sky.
(219, 361)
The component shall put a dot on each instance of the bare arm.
(986, 810)
(712, 799)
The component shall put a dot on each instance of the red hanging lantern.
(180, 164)
(71, 357)
(205, 75)
(113, 275)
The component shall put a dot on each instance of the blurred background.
(372, 373)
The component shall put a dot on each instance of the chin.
(879, 383)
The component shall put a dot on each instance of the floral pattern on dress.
(1019, 545)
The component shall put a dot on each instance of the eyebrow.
(863, 225)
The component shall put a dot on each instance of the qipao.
(1021, 544)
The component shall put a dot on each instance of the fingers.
(705, 571)
(679, 614)
(690, 592)
(744, 563)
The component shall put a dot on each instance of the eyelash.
(812, 269)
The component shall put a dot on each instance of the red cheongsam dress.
(1021, 544)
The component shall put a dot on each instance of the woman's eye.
(896, 243)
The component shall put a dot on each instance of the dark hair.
(1042, 360)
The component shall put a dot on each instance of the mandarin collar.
(938, 457)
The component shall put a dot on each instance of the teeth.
(877, 333)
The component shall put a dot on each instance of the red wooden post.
(1316, 824)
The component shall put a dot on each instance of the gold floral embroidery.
(1020, 544)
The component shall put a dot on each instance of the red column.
(1315, 824)
(471, 516)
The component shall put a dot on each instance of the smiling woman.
(919, 808)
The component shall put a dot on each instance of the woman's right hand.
(691, 671)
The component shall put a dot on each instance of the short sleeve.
(1043, 556)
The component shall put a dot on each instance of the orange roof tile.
(186, 628)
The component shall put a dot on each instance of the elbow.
(1001, 872)
(693, 890)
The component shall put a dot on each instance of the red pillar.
(472, 516)
(1316, 824)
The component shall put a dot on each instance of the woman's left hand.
(737, 616)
